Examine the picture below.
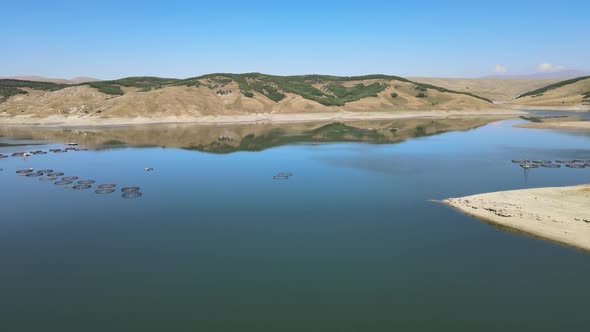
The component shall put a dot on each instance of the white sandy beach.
(559, 214)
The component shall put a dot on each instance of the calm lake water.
(351, 242)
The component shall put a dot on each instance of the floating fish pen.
(51, 178)
(521, 161)
(86, 182)
(575, 165)
(56, 174)
(106, 186)
(72, 144)
(81, 187)
(69, 178)
(2, 156)
(25, 171)
(133, 194)
(19, 154)
(528, 166)
(62, 183)
(129, 189)
(104, 191)
(551, 165)
(542, 161)
(34, 175)
(282, 176)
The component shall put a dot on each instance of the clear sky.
(112, 39)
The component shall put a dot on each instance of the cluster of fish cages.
(74, 183)
(283, 176)
(573, 163)
(25, 154)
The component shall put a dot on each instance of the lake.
(354, 240)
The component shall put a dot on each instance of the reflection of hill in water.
(230, 138)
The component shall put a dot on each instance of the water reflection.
(230, 138)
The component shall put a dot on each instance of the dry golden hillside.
(572, 93)
(230, 94)
(502, 90)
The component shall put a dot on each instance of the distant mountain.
(74, 80)
(562, 74)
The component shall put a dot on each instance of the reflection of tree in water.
(252, 137)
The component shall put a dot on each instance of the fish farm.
(69, 181)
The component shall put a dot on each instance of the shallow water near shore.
(353, 241)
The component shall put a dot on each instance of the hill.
(228, 94)
(572, 92)
(501, 90)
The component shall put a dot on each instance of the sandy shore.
(251, 118)
(566, 125)
(560, 214)
(575, 108)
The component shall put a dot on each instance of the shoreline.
(560, 214)
(563, 125)
(575, 108)
(251, 118)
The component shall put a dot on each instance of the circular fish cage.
(34, 175)
(18, 154)
(79, 149)
(69, 178)
(45, 171)
(86, 182)
(54, 150)
(56, 174)
(280, 177)
(104, 191)
(550, 165)
(564, 161)
(25, 171)
(527, 166)
(542, 161)
(62, 183)
(70, 149)
(106, 186)
(520, 161)
(133, 194)
(60, 151)
(81, 187)
(51, 178)
(285, 174)
(128, 190)
(3, 156)
(575, 165)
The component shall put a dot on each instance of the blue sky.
(112, 39)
